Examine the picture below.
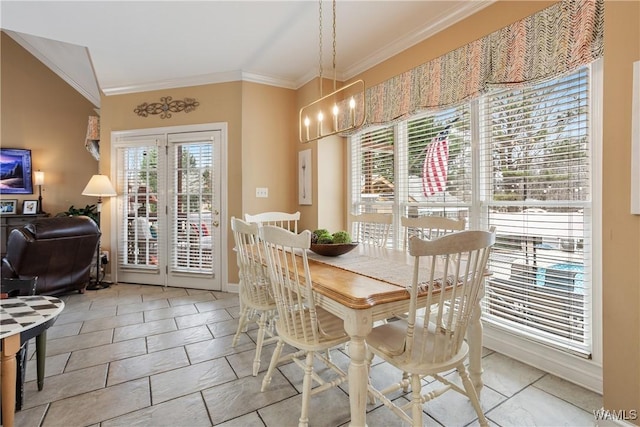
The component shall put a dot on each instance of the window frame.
(586, 372)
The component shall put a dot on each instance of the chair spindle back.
(254, 276)
(371, 228)
(449, 271)
(429, 227)
(288, 221)
(291, 282)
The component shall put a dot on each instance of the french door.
(168, 211)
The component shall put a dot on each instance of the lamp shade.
(99, 186)
(38, 178)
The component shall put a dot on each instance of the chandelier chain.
(320, 44)
(334, 45)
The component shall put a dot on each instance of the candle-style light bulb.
(320, 117)
(335, 117)
(307, 122)
(352, 107)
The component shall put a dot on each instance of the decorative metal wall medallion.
(166, 106)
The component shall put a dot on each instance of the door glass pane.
(191, 250)
(139, 184)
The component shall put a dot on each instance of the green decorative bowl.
(332, 249)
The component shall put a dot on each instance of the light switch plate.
(262, 192)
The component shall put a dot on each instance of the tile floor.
(153, 356)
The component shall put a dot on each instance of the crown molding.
(404, 43)
(270, 81)
(231, 76)
(203, 79)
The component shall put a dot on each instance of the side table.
(18, 315)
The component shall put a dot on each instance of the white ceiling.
(130, 46)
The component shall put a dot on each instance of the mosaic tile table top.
(21, 313)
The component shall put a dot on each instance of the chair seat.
(388, 341)
(259, 298)
(331, 330)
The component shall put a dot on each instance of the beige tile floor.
(152, 356)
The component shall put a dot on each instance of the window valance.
(547, 44)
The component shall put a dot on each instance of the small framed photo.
(8, 207)
(29, 207)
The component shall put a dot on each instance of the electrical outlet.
(262, 192)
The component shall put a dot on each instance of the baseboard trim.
(233, 288)
(583, 372)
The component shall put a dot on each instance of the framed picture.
(8, 207)
(29, 207)
(304, 177)
(15, 171)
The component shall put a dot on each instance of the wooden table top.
(336, 279)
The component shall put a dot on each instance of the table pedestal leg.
(358, 327)
(10, 346)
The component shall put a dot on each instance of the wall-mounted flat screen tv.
(15, 171)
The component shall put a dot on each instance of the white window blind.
(190, 177)
(435, 164)
(138, 185)
(535, 176)
(373, 171)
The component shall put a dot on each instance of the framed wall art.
(15, 171)
(8, 207)
(304, 177)
(29, 207)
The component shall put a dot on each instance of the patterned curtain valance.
(552, 42)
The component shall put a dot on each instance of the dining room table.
(367, 285)
(17, 316)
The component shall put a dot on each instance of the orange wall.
(258, 147)
(621, 230)
(43, 113)
(266, 140)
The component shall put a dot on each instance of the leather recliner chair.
(59, 251)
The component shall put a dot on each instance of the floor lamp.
(99, 186)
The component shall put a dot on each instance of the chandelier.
(341, 110)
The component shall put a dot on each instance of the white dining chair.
(429, 227)
(446, 285)
(256, 301)
(285, 220)
(371, 228)
(300, 323)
